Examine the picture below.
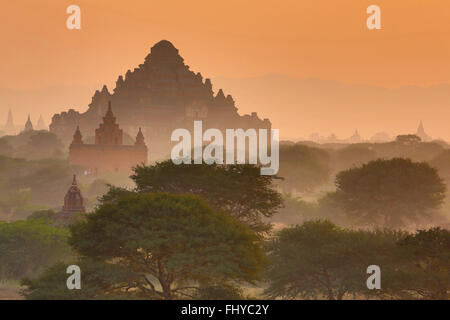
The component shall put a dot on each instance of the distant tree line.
(306, 167)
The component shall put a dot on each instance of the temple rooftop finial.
(28, 124)
(77, 137)
(140, 141)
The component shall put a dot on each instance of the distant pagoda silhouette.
(355, 137)
(422, 134)
(73, 202)
(10, 128)
(41, 124)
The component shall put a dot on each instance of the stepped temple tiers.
(73, 202)
(108, 153)
(159, 96)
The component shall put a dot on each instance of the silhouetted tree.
(354, 155)
(421, 268)
(28, 247)
(389, 192)
(100, 280)
(442, 163)
(408, 139)
(173, 242)
(318, 259)
(240, 190)
(303, 168)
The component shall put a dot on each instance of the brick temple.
(108, 153)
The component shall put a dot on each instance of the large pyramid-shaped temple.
(160, 95)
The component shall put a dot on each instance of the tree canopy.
(303, 168)
(100, 280)
(239, 190)
(424, 269)
(171, 243)
(28, 247)
(390, 192)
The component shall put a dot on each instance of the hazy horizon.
(305, 94)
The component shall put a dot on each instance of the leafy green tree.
(296, 210)
(41, 145)
(442, 163)
(303, 168)
(27, 247)
(239, 190)
(422, 269)
(48, 215)
(223, 291)
(19, 204)
(44, 182)
(97, 188)
(389, 192)
(320, 260)
(171, 243)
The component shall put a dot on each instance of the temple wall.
(107, 158)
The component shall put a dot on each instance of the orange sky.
(325, 39)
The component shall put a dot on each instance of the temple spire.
(77, 137)
(109, 132)
(9, 126)
(422, 134)
(109, 116)
(140, 141)
(73, 202)
(28, 124)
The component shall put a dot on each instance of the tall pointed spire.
(109, 116)
(140, 139)
(77, 137)
(73, 201)
(41, 123)
(109, 132)
(422, 134)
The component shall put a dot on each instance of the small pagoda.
(28, 125)
(73, 202)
